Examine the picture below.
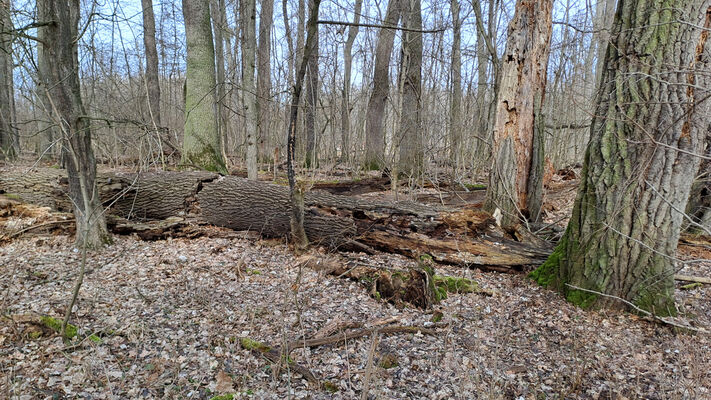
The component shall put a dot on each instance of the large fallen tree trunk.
(465, 237)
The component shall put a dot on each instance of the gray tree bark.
(201, 139)
(455, 110)
(411, 162)
(648, 130)
(249, 87)
(264, 77)
(217, 9)
(347, 67)
(152, 82)
(9, 139)
(312, 93)
(60, 82)
(375, 115)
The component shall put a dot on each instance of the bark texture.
(466, 237)
(648, 129)
(264, 77)
(201, 138)
(60, 82)
(375, 115)
(521, 91)
(411, 162)
(455, 110)
(312, 93)
(149, 43)
(8, 136)
(347, 67)
(249, 88)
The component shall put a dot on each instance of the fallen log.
(467, 237)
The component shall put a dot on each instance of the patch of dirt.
(171, 313)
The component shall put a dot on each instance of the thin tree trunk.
(375, 115)
(345, 101)
(455, 110)
(60, 81)
(296, 194)
(312, 94)
(264, 81)
(149, 43)
(217, 10)
(249, 88)
(411, 160)
(647, 133)
(8, 149)
(201, 139)
(521, 92)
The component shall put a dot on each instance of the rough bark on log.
(465, 237)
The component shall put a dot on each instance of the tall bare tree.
(8, 134)
(455, 111)
(264, 76)
(515, 186)
(217, 9)
(375, 116)
(201, 138)
(59, 80)
(646, 139)
(249, 88)
(347, 67)
(312, 94)
(411, 143)
(149, 43)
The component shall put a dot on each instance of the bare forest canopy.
(112, 66)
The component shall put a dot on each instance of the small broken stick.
(275, 355)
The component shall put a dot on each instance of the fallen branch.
(689, 278)
(297, 344)
(277, 357)
(662, 320)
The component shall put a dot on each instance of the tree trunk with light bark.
(519, 99)
(202, 146)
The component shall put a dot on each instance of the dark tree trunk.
(647, 133)
(375, 116)
(411, 162)
(149, 42)
(60, 82)
(312, 92)
(264, 77)
(8, 136)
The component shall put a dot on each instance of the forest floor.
(170, 314)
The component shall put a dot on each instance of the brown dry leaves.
(171, 314)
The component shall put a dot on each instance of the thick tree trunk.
(60, 82)
(648, 129)
(201, 139)
(411, 162)
(345, 100)
(264, 77)
(467, 237)
(521, 92)
(8, 148)
(375, 115)
(249, 88)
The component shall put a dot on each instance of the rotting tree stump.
(467, 237)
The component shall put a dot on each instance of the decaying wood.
(695, 279)
(467, 237)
